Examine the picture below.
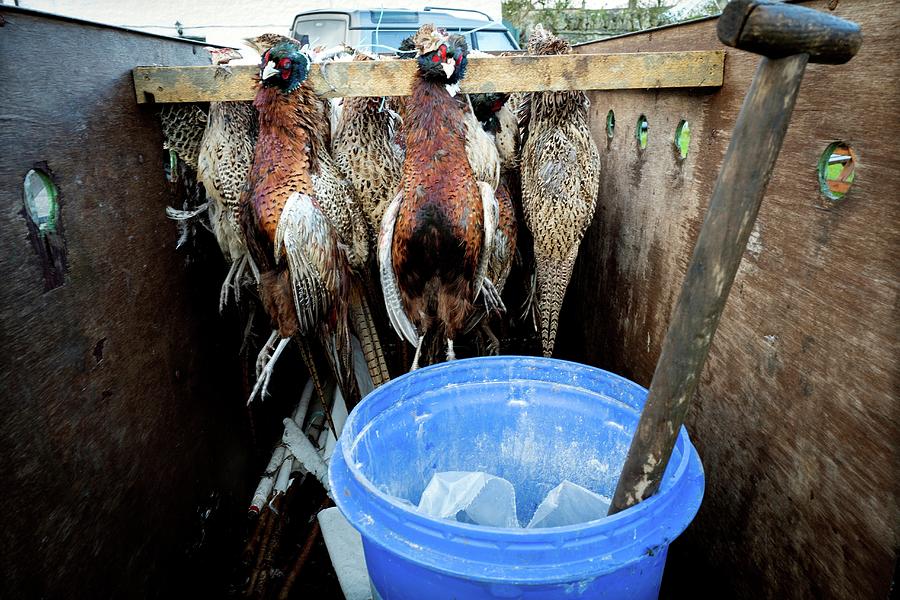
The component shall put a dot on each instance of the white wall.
(223, 22)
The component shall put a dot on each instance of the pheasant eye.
(284, 63)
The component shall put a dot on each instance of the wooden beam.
(501, 74)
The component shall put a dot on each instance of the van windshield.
(321, 32)
(493, 40)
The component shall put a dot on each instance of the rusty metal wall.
(121, 420)
(796, 418)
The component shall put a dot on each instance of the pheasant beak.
(448, 66)
(269, 70)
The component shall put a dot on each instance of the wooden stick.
(497, 74)
(304, 554)
(258, 566)
(253, 543)
(748, 164)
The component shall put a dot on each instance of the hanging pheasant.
(437, 233)
(365, 150)
(224, 157)
(560, 181)
(304, 263)
(182, 127)
(501, 128)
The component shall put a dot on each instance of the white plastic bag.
(470, 497)
(569, 504)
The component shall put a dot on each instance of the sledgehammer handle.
(748, 164)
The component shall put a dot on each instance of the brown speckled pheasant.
(437, 234)
(300, 249)
(183, 126)
(223, 162)
(365, 151)
(560, 180)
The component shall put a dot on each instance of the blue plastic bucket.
(535, 422)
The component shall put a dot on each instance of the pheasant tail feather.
(552, 280)
(364, 325)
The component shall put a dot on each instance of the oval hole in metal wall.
(682, 139)
(41, 201)
(837, 170)
(610, 124)
(642, 132)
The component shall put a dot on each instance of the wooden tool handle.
(776, 30)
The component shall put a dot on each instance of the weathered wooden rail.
(641, 70)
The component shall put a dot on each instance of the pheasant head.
(543, 43)
(442, 57)
(486, 106)
(284, 67)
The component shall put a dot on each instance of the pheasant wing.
(314, 259)
(392, 300)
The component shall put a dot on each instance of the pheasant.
(304, 262)
(226, 151)
(437, 233)
(364, 149)
(501, 127)
(182, 127)
(560, 181)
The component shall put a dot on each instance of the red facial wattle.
(284, 65)
(440, 54)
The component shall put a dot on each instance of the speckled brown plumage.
(500, 125)
(183, 126)
(223, 163)
(481, 150)
(504, 246)
(366, 153)
(560, 181)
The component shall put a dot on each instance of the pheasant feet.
(492, 299)
(262, 382)
(415, 364)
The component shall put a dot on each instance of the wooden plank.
(499, 74)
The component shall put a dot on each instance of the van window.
(493, 40)
(388, 38)
(321, 32)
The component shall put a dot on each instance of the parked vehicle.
(382, 30)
